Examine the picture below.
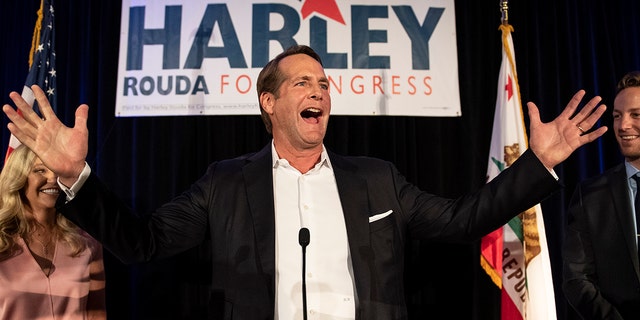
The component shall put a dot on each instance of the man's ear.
(267, 100)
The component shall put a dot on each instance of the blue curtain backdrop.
(560, 47)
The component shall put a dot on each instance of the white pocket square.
(379, 216)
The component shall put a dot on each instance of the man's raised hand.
(62, 149)
(553, 142)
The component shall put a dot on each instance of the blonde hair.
(13, 221)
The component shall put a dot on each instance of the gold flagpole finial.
(504, 9)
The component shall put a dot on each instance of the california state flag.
(516, 256)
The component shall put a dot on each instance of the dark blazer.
(233, 205)
(601, 275)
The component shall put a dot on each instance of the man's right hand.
(61, 149)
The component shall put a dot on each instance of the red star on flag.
(509, 88)
(328, 8)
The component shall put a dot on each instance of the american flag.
(42, 62)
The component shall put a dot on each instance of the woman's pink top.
(27, 293)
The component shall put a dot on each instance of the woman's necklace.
(45, 246)
(46, 259)
(46, 238)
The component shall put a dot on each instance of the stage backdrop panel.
(199, 57)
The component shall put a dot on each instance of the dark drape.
(560, 47)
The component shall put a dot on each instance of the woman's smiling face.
(41, 190)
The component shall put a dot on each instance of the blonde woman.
(49, 268)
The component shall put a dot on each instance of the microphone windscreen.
(303, 237)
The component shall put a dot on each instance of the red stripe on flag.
(509, 310)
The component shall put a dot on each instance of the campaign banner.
(202, 57)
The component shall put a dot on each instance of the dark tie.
(636, 203)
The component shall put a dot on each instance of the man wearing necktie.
(601, 274)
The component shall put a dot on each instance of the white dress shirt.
(311, 200)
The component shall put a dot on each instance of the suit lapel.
(355, 201)
(258, 177)
(624, 212)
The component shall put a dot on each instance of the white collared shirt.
(311, 200)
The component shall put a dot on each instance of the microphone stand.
(304, 239)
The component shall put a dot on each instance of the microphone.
(304, 239)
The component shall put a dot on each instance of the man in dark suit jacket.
(601, 274)
(241, 204)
